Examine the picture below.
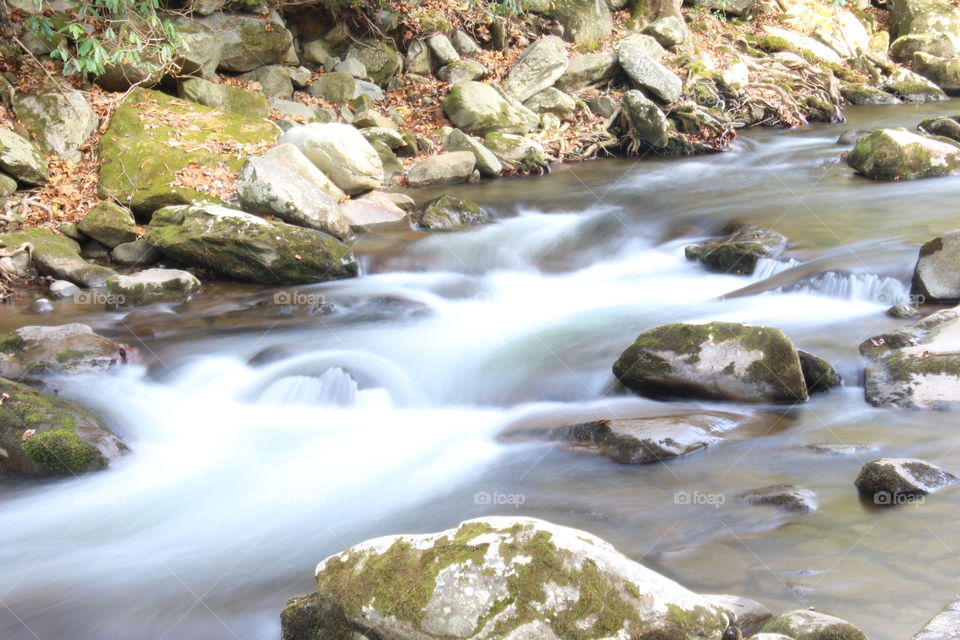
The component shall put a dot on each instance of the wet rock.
(898, 154)
(138, 252)
(41, 305)
(719, 360)
(901, 310)
(249, 42)
(109, 224)
(340, 152)
(885, 479)
(648, 74)
(42, 434)
(935, 44)
(647, 122)
(479, 108)
(539, 66)
(338, 87)
(21, 159)
(849, 138)
(586, 23)
(841, 448)
(275, 81)
(462, 71)
(739, 252)
(373, 214)
(669, 31)
(912, 87)
(579, 581)
(818, 374)
(864, 94)
(450, 213)
(515, 151)
(58, 256)
(283, 182)
(442, 49)
(936, 276)
(784, 496)
(485, 161)
(248, 248)
(60, 289)
(589, 70)
(150, 286)
(62, 349)
(812, 625)
(947, 127)
(749, 615)
(444, 168)
(942, 626)
(61, 120)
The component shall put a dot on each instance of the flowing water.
(272, 427)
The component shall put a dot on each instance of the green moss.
(70, 354)
(12, 343)
(59, 451)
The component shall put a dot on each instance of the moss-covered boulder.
(444, 168)
(381, 61)
(898, 154)
(819, 374)
(21, 159)
(153, 138)
(514, 150)
(783, 496)
(109, 224)
(738, 252)
(917, 366)
(937, 44)
(924, 16)
(62, 349)
(151, 285)
(450, 213)
(857, 93)
(719, 360)
(496, 578)
(58, 256)
(41, 434)
(886, 479)
(248, 42)
(802, 624)
(943, 72)
(479, 108)
(61, 120)
(813, 51)
(248, 248)
(912, 87)
(648, 124)
(586, 23)
(222, 97)
(946, 127)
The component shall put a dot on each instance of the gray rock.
(486, 162)
(936, 276)
(912, 87)
(381, 61)
(125, 75)
(138, 252)
(365, 88)
(646, 73)
(419, 59)
(60, 289)
(841, 448)
(60, 349)
(733, 7)
(443, 50)
(385, 135)
(938, 44)
(249, 42)
(449, 213)
(402, 200)
(41, 306)
(784, 496)
(669, 31)
(778, 39)
(802, 624)
(224, 97)
(478, 108)
(539, 66)
(375, 214)
(640, 44)
(352, 66)
(299, 76)
(151, 286)
(273, 79)
(818, 373)
(462, 71)
(464, 44)
(863, 94)
(302, 112)
(93, 250)
(603, 106)
(901, 310)
(21, 159)
(320, 53)
(886, 479)
(944, 72)
(337, 87)
(8, 186)
(898, 154)
(553, 101)
(58, 256)
(61, 119)
(586, 23)
(944, 625)
(849, 138)
(745, 613)
(340, 152)
(515, 150)
(109, 224)
(205, 7)
(647, 122)
(443, 168)
(590, 70)
(201, 56)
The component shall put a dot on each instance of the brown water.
(243, 476)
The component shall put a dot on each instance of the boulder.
(732, 7)
(778, 39)
(58, 256)
(588, 71)
(864, 94)
(375, 214)
(485, 161)
(201, 55)
(719, 360)
(637, 44)
(948, 127)
(886, 479)
(153, 137)
(739, 252)
(936, 276)
(353, 67)
(43, 434)
(340, 152)
(275, 81)
(515, 150)
(465, 45)
(818, 373)
(109, 224)
(384, 135)
(898, 154)
(784, 496)
(138, 252)
(301, 113)
(943, 72)
(749, 615)
(646, 73)
(283, 182)
(912, 87)
(554, 101)
(943, 45)
(123, 76)
(338, 87)
(647, 122)
(669, 31)
(61, 120)
(802, 624)
(516, 578)
(63, 349)
(380, 60)
(21, 159)
(319, 52)
(248, 248)
(248, 42)
(942, 626)
(443, 50)
(479, 108)
(60, 289)
(586, 23)
(150, 286)
(539, 66)
(923, 16)
(450, 213)
(462, 71)
(224, 97)
(8, 186)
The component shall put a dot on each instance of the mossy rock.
(450, 213)
(41, 434)
(381, 61)
(152, 136)
(898, 154)
(58, 256)
(251, 104)
(60, 349)
(739, 252)
(109, 224)
(475, 107)
(812, 625)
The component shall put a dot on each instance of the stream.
(266, 436)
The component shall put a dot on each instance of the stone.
(464, 44)
(640, 44)
(21, 159)
(151, 286)
(647, 122)
(588, 71)
(819, 374)
(802, 624)
(46, 435)
(466, 581)
(402, 200)
(538, 67)
(936, 276)
(249, 42)
(902, 311)
(475, 107)
(201, 55)
(485, 161)
(586, 23)
(942, 45)
(462, 71)
(554, 101)
(732, 7)
(60, 289)
(58, 256)
(384, 135)
(515, 150)
(338, 87)
(285, 183)
(442, 49)
(944, 625)
(375, 214)
(318, 52)
(450, 213)
(274, 80)
(648, 74)
(848, 449)
(923, 16)
(380, 60)
(944, 127)
(886, 479)
(778, 39)
(898, 154)
(944, 72)
(749, 615)
(61, 120)
(444, 168)
(205, 7)
(718, 360)
(93, 250)
(302, 113)
(109, 224)
(669, 31)
(419, 59)
(863, 94)
(738, 252)
(784, 496)
(912, 87)
(8, 186)
(352, 66)
(139, 253)
(41, 306)
(248, 248)
(126, 75)
(62, 349)
(340, 152)
(140, 163)
(603, 106)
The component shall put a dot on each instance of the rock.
(224, 97)
(303, 113)
(283, 182)
(719, 360)
(553, 101)
(849, 138)
(669, 31)
(248, 248)
(586, 23)
(785, 496)
(942, 626)
(140, 162)
(923, 16)
(21, 159)
(442, 49)
(449, 213)
(886, 479)
(41, 305)
(468, 581)
(384, 135)
(944, 72)
(647, 122)
(739, 252)
(372, 118)
(936, 44)
(300, 77)
(898, 154)
(603, 106)
(646, 73)
(812, 625)
(320, 53)
(841, 448)
(201, 55)
(515, 150)
(589, 70)
(380, 60)
(60, 289)
(109, 224)
(777, 39)
(62, 349)
(915, 367)
(936, 276)
(150, 286)
(93, 250)
(944, 127)
(419, 59)
(646, 440)
(138, 252)
(126, 75)
(863, 94)
(485, 161)
(61, 120)
(539, 66)
(478, 108)
(901, 310)
(402, 200)
(58, 256)
(639, 44)
(443, 168)
(391, 164)
(749, 615)
(338, 87)
(353, 67)
(274, 80)
(374, 214)
(912, 87)
(340, 152)
(462, 71)
(733, 7)
(818, 374)
(249, 42)
(464, 44)
(42, 434)
(8, 186)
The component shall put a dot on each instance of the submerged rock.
(898, 154)
(812, 625)
(496, 577)
(936, 276)
(818, 373)
(739, 252)
(151, 285)
(719, 360)
(61, 349)
(885, 479)
(450, 213)
(785, 496)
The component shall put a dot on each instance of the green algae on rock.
(898, 154)
(58, 256)
(68, 348)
